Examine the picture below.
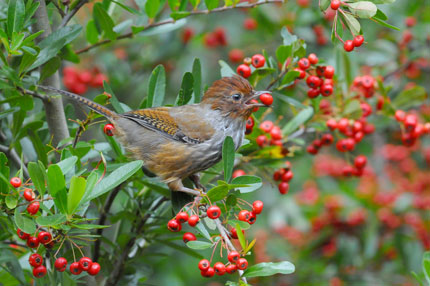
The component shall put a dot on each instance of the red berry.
(233, 256)
(258, 60)
(366, 108)
(235, 55)
(331, 123)
(283, 188)
(204, 264)
(233, 233)
(44, 237)
(329, 72)
(238, 173)
(266, 99)
(304, 64)
(287, 176)
(410, 21)
(261, 140)
(313, 92)
(347, 171)
(22, 234)
(33, 208)
(242, 263)
(358, 41)
(244, 215)
(335, 4)
(360, 161)
(174, 226)
(276, 133)
(182, 217)
(193, 220)
(29, 195)
(220, 36)
(98, 80)
(219, 268)
(39, 271)
(250, 24)
(326, 90)
(35, 260)
(85, 263)
(327, 139)
(348, 46)
(243, 70)
(252, 218)
(311, 150)
(313, 81)
(94, 269)
(257, 207)
(367, 81)
(400, 115)
(230, 269)
(313, 59)
(15, 182)
(249, 123)
(302, 73)
(75, 269)
(410, 122)
(343, 124)
(358, 136)
(213, 212)
(266, 126)
(210, 272)
(32, 242)
(60, 264)
(188, 236)
(187, 34)
(109, 129)
(85, 77)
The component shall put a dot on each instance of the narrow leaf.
(156, 87)
(76, 192)
(228, 152)
(269, 269)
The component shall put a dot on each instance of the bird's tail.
(91, 104)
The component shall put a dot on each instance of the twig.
(171, 21)
(58, 8)
(228, 242)
(103, 215)
(33, 93)
(11, 153)
(120, 262)
(72, 13)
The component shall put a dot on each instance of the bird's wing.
(163, 120)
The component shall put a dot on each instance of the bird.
(178, 142)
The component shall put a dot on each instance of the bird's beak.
(256, 95)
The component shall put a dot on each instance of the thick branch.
(54, 107)
(171, 21)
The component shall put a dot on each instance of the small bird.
(178, 142)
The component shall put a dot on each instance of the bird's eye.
(236, 96)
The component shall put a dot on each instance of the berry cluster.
(219, 268)
(250, 24)
(257, 61)
(284, 175)
(76, 268)
(251, 216)
(412, 130)
(29, 196)
(43, 237)
(78, 81)
(216, 38)
(319, 79)
(273, 131)
(320, 35)
(364, 85)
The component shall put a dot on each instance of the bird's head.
(233, 97)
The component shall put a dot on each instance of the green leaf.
(25, 224)
(240, 236)
(104, 21)
(37, 177)
(179, 15)
(127, 8)
(90, 226)
(186, 90)
(15, 16)
(17, 40)
(52, 44)
(76, 192)
(197, 76)
(298, 120)
(283, 52)
(228, 153)
(217, 193)
(156, 87)
(426, 266)
(91, 32)
(151, 8)
(288, 38)
(324, 4)
(247, 184)
(353, 109)
(269, 269)
(385, 24)
(67, 164)
(289, 77)
(243, 224)
(363, 9)
(352, 24)
(50, 67)
(11, 202)
(51, 220)
(115, 178)
(114, 100)
(226, 70)
(195, 244)
(211, 4)
(56, 181)
(410, 97)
